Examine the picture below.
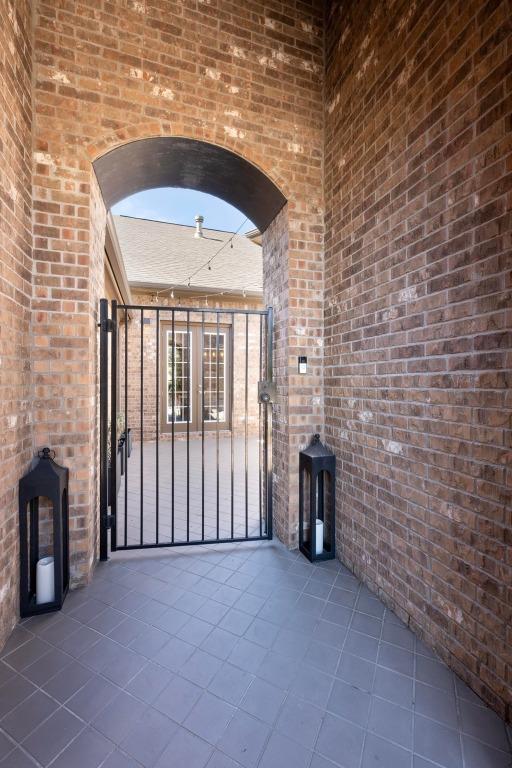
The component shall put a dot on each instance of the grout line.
(295, 580)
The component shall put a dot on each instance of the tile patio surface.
(148, 491)
(234, 655)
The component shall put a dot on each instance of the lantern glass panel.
(306, 517)
(325, 506)
(40, 540)
(46, 513)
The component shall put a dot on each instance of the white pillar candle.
(45, 584)
(319, 536)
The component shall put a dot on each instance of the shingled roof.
(158, 254)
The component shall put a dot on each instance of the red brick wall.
(15, 286)
(417, 307)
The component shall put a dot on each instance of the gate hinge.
(111, 519)
(267, 392)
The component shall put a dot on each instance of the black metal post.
(189, 414)
(173, 396)
(246, 447)
(113, 431)
(157, 424)
(259, 431)
(126, 424)
(103, 324)
(141, 427)
(202, 426)
(217, 435)
(232, 367)
(268, 422)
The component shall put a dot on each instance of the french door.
(195, 377)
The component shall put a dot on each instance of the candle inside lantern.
(319, 536)
(45, 583)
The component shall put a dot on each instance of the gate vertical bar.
(113, 421)
(157, 425)
(103, 323)
(231, 399)
(189, 414)
(259, 429)
(141, 427)
(268, 422)
(173, 396)
(217, 436)
(246, 425)
(202, 425)
(126, 425)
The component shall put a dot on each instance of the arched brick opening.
(176, 161)
(160, 161)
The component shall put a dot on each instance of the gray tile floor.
(228, 656)
(147, 489)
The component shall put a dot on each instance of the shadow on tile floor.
(234, 656)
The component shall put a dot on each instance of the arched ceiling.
(180, 162)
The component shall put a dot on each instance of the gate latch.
(106, 325)
(267, 392)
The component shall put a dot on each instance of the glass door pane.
(179, 381)
(214, 364)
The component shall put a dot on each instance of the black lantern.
(44, 580)
(317, 469)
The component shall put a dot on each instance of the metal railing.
(163, 370)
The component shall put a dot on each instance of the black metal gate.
(185, 425)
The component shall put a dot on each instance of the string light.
(206, 296)
(164, 290)
(224, 244)
(207, 264)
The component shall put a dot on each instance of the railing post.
(103, 326)
(268, 421)
(113, 428)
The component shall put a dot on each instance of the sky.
(179, 206)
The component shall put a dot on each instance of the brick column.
(293, 284)
(68, 264)
(15, 287)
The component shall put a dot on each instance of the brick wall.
(417, 378)
(15, 287)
